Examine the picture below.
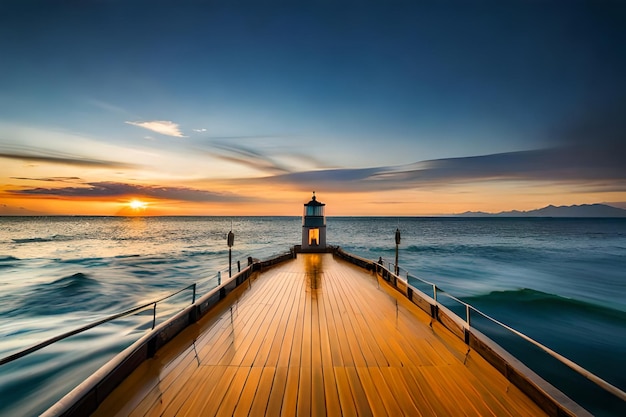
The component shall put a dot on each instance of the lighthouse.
(313, 226)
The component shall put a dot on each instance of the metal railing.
(468, 311)
(126, 313)
(403, 275)
(390, 265)
(97, 323)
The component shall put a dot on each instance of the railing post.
(467, 314)
(154, 316)
(193, 297)
(238, 266)
(435, 292)
(219, 278)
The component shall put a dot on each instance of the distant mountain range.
(583, 210)
(6, 210)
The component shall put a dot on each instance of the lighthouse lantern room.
(313, 226)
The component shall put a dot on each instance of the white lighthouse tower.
(314, 226)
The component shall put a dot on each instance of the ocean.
(560, 281)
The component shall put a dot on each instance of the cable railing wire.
(468, 308)
(126, 313)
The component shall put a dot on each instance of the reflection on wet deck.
(313, 268)
(316, 336)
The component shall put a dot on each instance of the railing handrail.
(564, 360)
(48, 342)
(571, 364)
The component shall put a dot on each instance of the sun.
(134, 207)
(137, 205)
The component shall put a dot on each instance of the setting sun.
(137, 205)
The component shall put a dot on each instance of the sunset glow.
(137, 205)
(393, 111)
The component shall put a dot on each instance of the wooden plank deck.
(316, 336)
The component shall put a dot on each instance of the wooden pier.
(316, 336)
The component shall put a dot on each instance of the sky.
(133, 107)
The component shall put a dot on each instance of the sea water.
(560, 281)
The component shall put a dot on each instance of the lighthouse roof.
(314, 201)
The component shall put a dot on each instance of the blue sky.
(232, 99)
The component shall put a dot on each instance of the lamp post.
(231, 241)
(397, 244)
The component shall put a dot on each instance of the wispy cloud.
(52, 145)
(116, 189)
(103, 105)
(199, 130)
(586, 154)
(259, 153)
(63, 159)
(164, 127)
(49, 179)
(593, 168)
(247, 156)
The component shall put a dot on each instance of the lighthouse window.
(314, 211)
(314, 237)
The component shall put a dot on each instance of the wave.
(363, 249)
(540, 302)
(76, 292)
(479, 250)
(190, 253)
(451, 249)
(82, 292)
(87, 263)
(8, 261)
(72, 283)
(33, 240)
(54, 238)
